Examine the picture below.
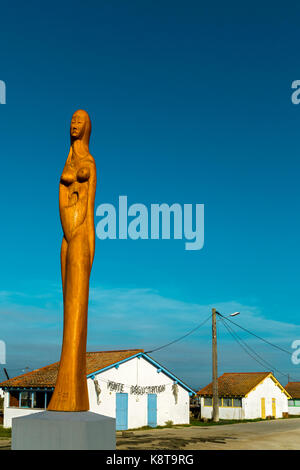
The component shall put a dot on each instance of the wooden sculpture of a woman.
(76, 205)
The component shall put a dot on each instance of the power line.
(181, 337)
(259, 337)
(245, 346)
(239, 341)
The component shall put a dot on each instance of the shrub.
(169, 424)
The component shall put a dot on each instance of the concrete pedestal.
(55, 430)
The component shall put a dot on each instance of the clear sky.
(190, 102)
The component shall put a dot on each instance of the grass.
(5, 432)
(196, 422)
(294, 416)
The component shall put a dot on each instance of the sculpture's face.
(77, 125)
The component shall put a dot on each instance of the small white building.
(127, 385)
(246, 395)
(293, 388)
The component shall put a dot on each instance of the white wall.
(294, 410)
(14, 412)
(140, 372)
(251, 405)
(133, 372)
(268, 390)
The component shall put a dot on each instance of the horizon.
(144, 352)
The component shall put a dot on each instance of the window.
(237, 402)
(230, 402)
(294, 402)
(29, 399)
(38, 400)
(227, 402)
(207, 401)
(25, 399)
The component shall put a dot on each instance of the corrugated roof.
(235, 384)
(46, 376)
(293, 388)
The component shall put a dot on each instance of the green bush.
(169, 424)
(5, 432)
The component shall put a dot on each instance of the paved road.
(279, 434)
(5, 443)
(282, 434)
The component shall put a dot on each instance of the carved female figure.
(76, 205)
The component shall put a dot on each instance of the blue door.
(121, 411)
(152, 410)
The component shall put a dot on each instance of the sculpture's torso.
(73, 198)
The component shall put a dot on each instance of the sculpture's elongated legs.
(71, 392)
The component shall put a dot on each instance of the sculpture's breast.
(68, 176)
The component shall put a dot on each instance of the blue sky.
(190, 103)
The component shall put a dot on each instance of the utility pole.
(215, 413)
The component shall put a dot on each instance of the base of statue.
(56, 430)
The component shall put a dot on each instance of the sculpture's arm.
(65, 219)
(67, 200)
(91, 205)
(68, 175)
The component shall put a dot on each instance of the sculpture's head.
(81, 127)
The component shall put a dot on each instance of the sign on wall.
(135, 389)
